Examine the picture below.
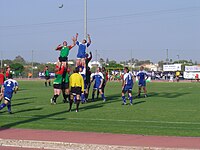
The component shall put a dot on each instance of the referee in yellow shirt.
(76, 85)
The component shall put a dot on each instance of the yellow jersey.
(76, 80)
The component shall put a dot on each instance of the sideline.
(105, 139)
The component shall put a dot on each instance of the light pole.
(1, 59)
(131, 61)
(32, 63)
(85, 19)
(178, 58)
(167, 59)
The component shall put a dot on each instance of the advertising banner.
(192, 68)
(173, 67)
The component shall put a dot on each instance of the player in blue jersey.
(127, 86)
(142, 77)
(98, 78)
(82, 50)
(10, 86)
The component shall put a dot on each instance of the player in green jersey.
(47, 76)
(64, 51)
(65, 86)
(57, 83)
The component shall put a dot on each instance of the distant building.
(151, 67)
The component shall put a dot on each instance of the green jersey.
(58, 79)
(46, 73)
(64, 52)
(66, 79)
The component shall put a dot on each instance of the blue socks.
(9, 107)
(2, 106)
(124, 99)
(83, 98)
(103, 96)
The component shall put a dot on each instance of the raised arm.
(90, 56)
(59, 47)
(74, 43)
(89, 39)
(76, 37)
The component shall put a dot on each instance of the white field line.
(111, 120)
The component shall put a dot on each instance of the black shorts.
(47, 77)
(61, 59)
(76, 90)
(65, 86)
(57, 86)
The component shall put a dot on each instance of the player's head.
(103, 69)
(80, 68)
(65, 43)
(126, 69)
(84, 41)
(46, 67)
(8, 68)
(76, 70)
(10, 76)
(98, 69)
(141, 68)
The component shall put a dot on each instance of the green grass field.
(172, 109)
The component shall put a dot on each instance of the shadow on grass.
(167, 94)
(32, 119)
(136, 103)
(23, 103)
(25, 98)
(21, 89)
(27, 110)
(83, 107)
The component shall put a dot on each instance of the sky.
(119, 29)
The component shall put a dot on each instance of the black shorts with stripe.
(57, 86)
(76, 90)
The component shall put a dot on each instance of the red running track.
(101, 138)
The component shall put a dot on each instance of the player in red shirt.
(2, 79)
(7, 71)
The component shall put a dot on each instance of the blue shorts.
(80, 56)
(127, 88)
(96, 86)
(8, 96)
(141, 83)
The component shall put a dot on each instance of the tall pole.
(1, 60)
(178, 58)
(85, 19)
(32, 63)
(131, 61)
(167, 59)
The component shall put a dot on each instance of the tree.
(112, 62)
(17, 68)
(101, 60)
(7, 62)
(19, 59)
